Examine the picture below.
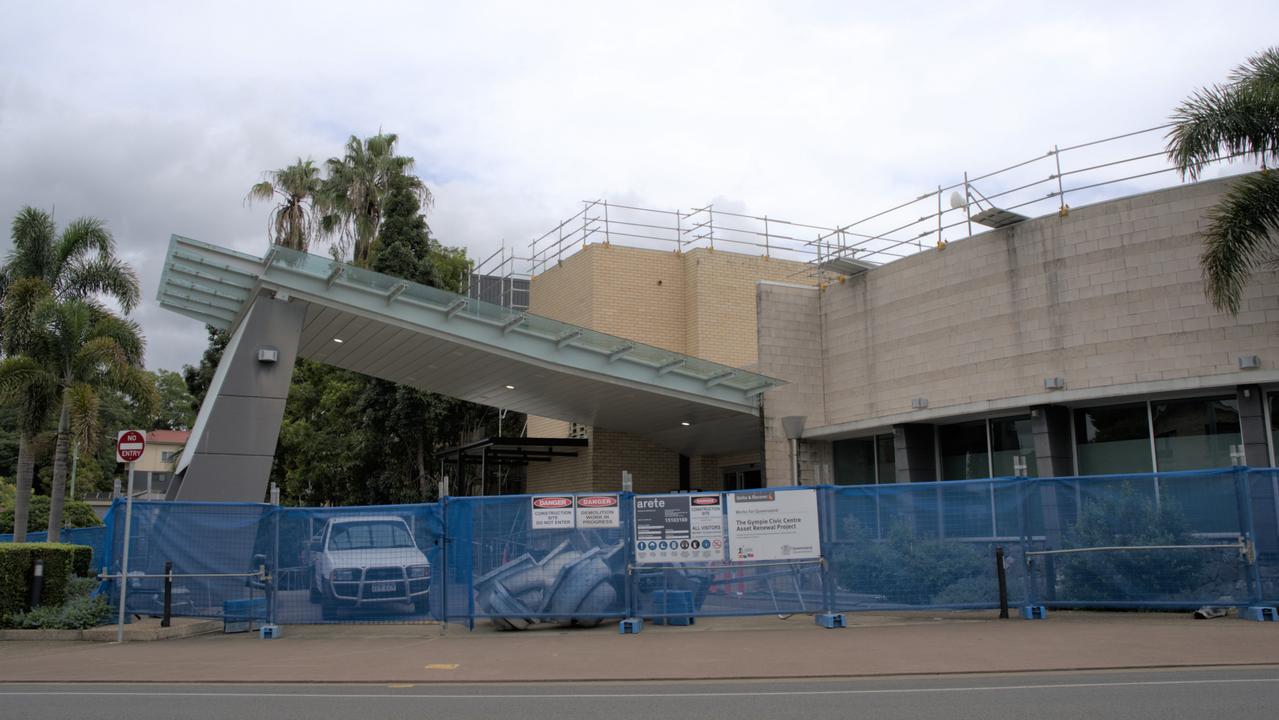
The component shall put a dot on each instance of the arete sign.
(679, 528)
(773, 525)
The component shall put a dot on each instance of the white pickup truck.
(367, 561)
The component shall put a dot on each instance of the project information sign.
(679, 528)
(768, 525)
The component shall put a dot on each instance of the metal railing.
(1080, 173)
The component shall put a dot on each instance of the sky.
(158, 117)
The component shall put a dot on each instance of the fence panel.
(503, 566)
(1150, 540)
(926, 545)
(216, 550)
(355, 564)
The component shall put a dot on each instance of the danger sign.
(129, 445)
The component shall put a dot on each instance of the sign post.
(129, 445)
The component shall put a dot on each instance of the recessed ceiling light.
(510, 387)
(685, 423)
(337, 340)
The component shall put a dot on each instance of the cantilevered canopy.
(437, 341)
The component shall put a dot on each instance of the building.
(153, 472)
(700, 303)
(1082, 344)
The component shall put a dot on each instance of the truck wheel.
(328, 609)
(422, 604)
(316, 597)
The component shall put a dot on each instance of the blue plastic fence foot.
(830, 621)
(630, 626)
(1259, 613)
(1034, 612)
(269, 632)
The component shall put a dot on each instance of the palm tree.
(78, 264)
(357, 184)
(1239, 118)
(294, 188)
(75, 350)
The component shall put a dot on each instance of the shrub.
(74, 514)
(1130, 518)
(77, 613)
(910, 570)
(17, 561)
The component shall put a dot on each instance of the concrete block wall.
(790, 347)
(1108, 297)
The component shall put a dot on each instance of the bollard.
(168, 593)
(37, 582)
(1003, 583)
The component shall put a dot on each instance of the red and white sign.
(598, 511)
(552, 512)
(129, 445)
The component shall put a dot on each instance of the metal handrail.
(132, 576)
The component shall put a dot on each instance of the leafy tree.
(175, 406)
(1239, 118)
(294, 189)
(77, 514)
(77, 264)
(356, 189)
(76, 350)
(198, 378)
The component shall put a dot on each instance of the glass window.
(963, 451)
(886, 457)
(1113, 439)
(1010, 437)
(854, 461)
(1195, 434)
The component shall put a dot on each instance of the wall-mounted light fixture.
(1054, 383)
(1249, 362)
(919, 403)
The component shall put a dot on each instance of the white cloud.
(157, 117)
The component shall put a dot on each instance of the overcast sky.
(157, 117)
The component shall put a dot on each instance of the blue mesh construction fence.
(1162, 540)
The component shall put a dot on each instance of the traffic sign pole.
(124, 560)
(129, 445)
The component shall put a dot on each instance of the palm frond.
(33, 232)
(105, 275)
(126, 334)
(83, 405)
(20, 373)
(81, 237)
(20, 322)
(1242, 236)
(139, 385)
(1236, 119)
(98, 361)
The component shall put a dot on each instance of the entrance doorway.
(743, 477)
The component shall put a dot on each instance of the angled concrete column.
(232, 445)
(1252, 426)
(1050, 425)
(915, 450)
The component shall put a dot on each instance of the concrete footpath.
(739, 648)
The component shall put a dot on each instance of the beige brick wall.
(700, 303)
(1108, 297)
(790, 348)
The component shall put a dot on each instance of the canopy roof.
(446, 343)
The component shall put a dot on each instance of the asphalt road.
(1132, 695)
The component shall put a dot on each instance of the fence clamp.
(1248, 550)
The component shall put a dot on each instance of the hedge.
(17, 561)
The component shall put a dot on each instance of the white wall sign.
(552, 512)
(598, 511)
(772, 525)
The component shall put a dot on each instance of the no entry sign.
(129, 445)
